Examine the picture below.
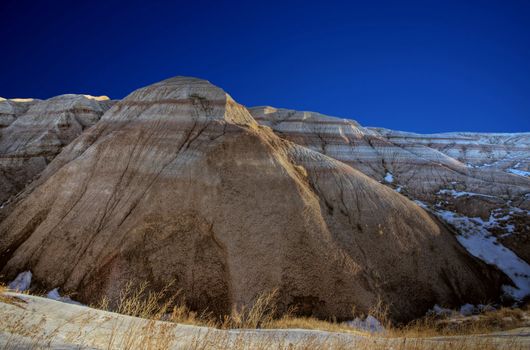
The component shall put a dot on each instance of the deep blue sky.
(422, 66)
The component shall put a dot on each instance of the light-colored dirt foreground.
(36, 322)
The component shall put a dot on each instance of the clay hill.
(35, 131)
(477, 183)
(179, 182)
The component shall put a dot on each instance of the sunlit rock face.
(178, 182)
(483, 177)
(36, 131)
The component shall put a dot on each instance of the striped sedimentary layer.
(500, 151)
(479, 176)
(10, 109)
(177, 182)
(37, 133)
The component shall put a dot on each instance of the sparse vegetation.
(491, 321)
(7, 299)
(444, 333)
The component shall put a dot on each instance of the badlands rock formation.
(179, 182)
(421, 164)
(478, 183)
(10, 109)
(492, 159)
(35, 131)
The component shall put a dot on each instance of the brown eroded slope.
(474, 175)
(178, 182)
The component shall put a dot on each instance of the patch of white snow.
(389, 177)
(22, 282)
(370, 324)
(479, 242)
(457, 194)
(518, 172)
(54, 294)
(421, 204)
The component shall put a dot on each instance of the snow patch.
(479, 242)
(467, 310)
(439, 311)
(389, 177)
(475, 237)
(421, 204)
(457, 194)
(370, 324)
(518, 172)
(55, 295)
(22, 282)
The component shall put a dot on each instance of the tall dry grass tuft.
(125, 333)
(161, 305)
(8, 299)
(263, 313)
(139, 302)
(381, 312)
(260, 314)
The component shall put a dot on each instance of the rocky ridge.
(179, 182)
(476, 183)
(35, 131)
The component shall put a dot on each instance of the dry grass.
(7, 299)
(160, 305)
(218, 341)
(138, 302)
(502, 319)
(290, 322)
(262, 314)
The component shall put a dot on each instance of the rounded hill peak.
(179, 88)
(182, 98)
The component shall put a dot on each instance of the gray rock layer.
(38, 132)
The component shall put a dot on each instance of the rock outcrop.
(477, 183)
(421, 164)
(36, 131)
(10, 109)
(178, 182)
